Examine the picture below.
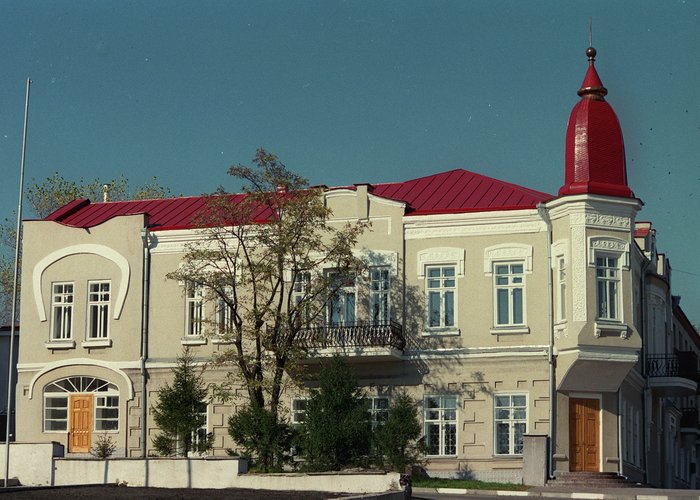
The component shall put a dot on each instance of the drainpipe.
(619, 430)
(144, 337)
(542, 212)
(645, 349)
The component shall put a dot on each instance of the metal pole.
(10, 371)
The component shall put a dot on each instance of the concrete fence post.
(534, 459)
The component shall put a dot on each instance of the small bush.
(104, 447)
(164, 445)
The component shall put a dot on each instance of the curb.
(597, 495)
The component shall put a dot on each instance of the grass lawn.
(436, 482)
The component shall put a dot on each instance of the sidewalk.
(586, 493)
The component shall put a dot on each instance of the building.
(505, 311)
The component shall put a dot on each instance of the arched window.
(103, 396)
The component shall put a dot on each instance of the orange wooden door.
(584, 432)
(80, 437)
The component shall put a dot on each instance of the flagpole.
(10, 370)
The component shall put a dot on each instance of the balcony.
(360, 338)
(673, 375)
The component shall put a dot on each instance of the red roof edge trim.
(471, 210)
(68, 209)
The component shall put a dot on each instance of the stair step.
(590, 480)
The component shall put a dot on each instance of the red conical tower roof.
(595, 151)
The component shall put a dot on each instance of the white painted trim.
(441, 255)
(508, 252)
(608, 245)
(379, 258)
(84, 248)
(472, 224)
(110, 365)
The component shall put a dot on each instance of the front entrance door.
(80, 437)
(584, 435)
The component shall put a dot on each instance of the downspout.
(144, 337)
(619, 430)
(542, 212)
(645, 349)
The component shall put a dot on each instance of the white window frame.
(100, 307)
(297, 413)
(223, 320)
(342, 294)
(511, 421)
(612, 276)
(194, 310)
(510, 287)
(380, 295)
(106, 406)
(62, 301)
(300, 292)
(378, 410)
(197, 434)
(442, 289)
(447, 415)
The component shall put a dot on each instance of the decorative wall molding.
(601, 221)
(578, 271)
(507, 251)
(109, 365)
(86, 248)
(441, 255)
(449, 229)
(608, 244)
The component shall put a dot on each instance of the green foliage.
(470, 484)
(104, 447)
(262, 436)
(337, 431)
(178, 413)
(397, 439)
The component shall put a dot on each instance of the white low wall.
(340, 482)
(31, 463)
(156, 472)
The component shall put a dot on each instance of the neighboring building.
(5, 332)
(503, 311)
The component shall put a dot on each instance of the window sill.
(60, 344)
(442, 332)
(193, 341)
(616, 328)
(510, 330)
(221, 341)
(89, 344)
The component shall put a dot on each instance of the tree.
(336, 431)
(397, 439)
(46, 196)
(263, 437)
(180, 411)
(255, 249)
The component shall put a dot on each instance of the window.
(200, 436)
(440, 288)
(298, 411)
(62, 311)
(510, 419)
(224, 317)
(510, 291)
(379, 295)
(300, 292)
(98, 309)
(607, 285)
(441, 425)
(341, 306)
(378, 411)
(561, 289)
(56, 413)
(106, 413)
(195, 310)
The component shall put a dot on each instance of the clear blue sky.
(355, 91)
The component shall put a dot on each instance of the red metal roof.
(456, 191)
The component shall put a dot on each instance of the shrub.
(397, 439)
(104, 447)
(264, 438)
(336, 432)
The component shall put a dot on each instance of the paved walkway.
(587, 493)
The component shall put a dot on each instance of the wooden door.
(584, 432)
(80, 437)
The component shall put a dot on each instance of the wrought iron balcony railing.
(355, 334)
(683, 364)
